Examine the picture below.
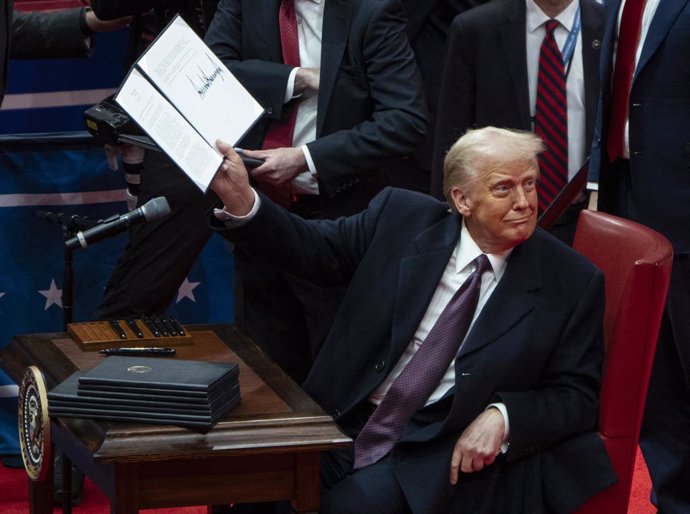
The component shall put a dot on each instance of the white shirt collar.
(536, 17)
(467, 250)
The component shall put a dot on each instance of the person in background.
(465, 359)
(160, 253)
(640, 162)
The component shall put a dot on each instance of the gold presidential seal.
(34, 424)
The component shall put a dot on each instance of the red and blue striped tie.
(551, 119)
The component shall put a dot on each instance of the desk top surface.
(275, 414)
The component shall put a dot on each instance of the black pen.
(151, 326)
(154, 351)
(159, 325)
(177, 325)
(118, 329)
(132, 324)
(165, 321)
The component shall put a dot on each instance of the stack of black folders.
(149, 390)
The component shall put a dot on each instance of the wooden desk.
(267, 449)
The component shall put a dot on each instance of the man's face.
(500, 206)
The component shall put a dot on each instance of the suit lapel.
(665, 15)
(511, 299)
(336, 26)
(591, 44)
(608, 44)
(513, 42)
(420, 274)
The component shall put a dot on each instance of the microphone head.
(155, 208)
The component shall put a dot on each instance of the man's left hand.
(280, 165)
(478, 445)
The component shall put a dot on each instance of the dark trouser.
(665, 434)
(159, 253)
(370, 490)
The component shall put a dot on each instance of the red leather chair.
(636, 262)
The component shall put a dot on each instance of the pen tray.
(96, 335)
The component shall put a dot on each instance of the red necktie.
(410, 391)
(628, 36)
(280, 132)
(551, 119)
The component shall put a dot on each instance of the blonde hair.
(487, 149)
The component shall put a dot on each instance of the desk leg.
(41, 493)
(308, 483)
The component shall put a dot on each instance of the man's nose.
(520, 198)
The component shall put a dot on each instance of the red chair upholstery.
(636, 262)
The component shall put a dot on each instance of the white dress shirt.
(575, 82)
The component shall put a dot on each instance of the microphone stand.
(70, 227)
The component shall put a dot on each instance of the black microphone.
(151, 210)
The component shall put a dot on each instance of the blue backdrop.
(67, 173)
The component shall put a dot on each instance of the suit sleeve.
(266, 80)
(457, 100)
(48, 35)
(566, 402)
(398, 123)
(111, 9)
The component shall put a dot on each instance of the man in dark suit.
(63, 33)
(360, 107)
(490, 77)
(510, 425)
(640, 161)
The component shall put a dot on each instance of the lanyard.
(569, 47)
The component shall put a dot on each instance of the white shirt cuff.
(504, 412)
(310, 161)
(232, 221)
(290, 90)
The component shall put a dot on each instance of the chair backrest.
(636, 262)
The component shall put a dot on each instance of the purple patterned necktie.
(410, 391)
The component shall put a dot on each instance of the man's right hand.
(231, 183)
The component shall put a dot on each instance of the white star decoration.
(53, 295)
(186, 290)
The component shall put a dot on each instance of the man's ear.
(462, 201)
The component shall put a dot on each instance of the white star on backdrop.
(186, 290)
(53, 295)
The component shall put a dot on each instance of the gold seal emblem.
(34, 424)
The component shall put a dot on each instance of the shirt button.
(380, 365)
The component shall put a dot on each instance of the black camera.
(107, 122)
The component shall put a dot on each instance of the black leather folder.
(144, 373)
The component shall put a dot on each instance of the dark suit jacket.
(485, 74)
(537, 345)
(43, 35)
(371, 107)
(659, 124)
